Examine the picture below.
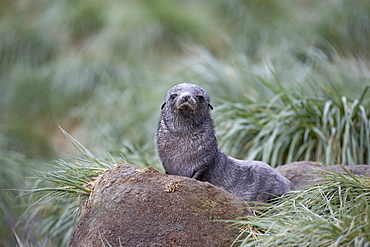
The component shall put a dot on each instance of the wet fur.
(187, 146)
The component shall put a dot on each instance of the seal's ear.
(210, 106)
(163, 105)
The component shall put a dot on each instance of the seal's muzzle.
(186, 104)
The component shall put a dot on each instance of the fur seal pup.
(187, 146)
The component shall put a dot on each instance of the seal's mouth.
(186, 109)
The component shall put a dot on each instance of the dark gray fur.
(188, 147)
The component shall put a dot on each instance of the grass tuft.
(61, 193)
(334, 213)
(74, 174)
(293, 127)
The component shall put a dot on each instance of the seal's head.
(187, 100)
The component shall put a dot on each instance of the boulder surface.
(133, 206)
(304, 173)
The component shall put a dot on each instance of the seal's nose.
(186, 97)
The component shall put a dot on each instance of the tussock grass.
(335, 213)
(61, 193)
(291, 128)
(74, 174)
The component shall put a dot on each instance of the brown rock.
(133, 206)
(305, 173)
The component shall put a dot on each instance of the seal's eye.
(173, 96)
(200, 98)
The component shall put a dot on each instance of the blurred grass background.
(289, 80)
